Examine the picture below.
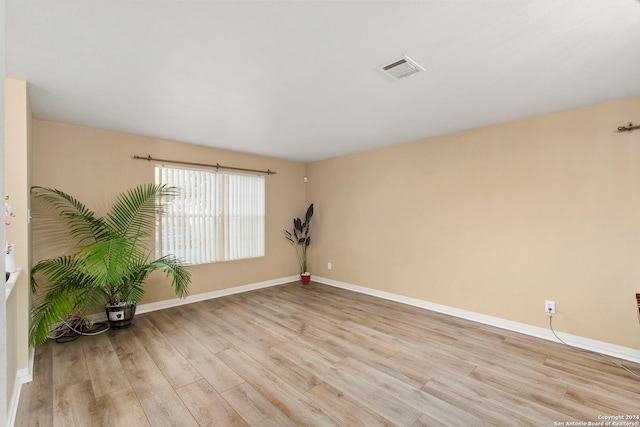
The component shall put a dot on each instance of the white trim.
(23, 376)
(12, 409)
(153, 306)
(11, 283)
(26, 375)
(175, 302)
(614, 350)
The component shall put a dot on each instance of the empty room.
(321, 213)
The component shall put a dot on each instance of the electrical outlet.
(550, 307)
(328, 266)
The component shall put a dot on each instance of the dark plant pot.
(120, 316)
(306, 278)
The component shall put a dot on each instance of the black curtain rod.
(217, 166)
(628, 128)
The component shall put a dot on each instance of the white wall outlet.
(550, 307)
(328, 266)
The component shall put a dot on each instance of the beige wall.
(94, 165)
(496, 220)
(492, 220)
(17, 183)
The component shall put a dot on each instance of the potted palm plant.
(300, 239)
(109, 263)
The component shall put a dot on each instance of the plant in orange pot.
(300, 239)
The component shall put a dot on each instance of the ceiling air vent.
(400, 68)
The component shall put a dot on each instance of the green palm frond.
(107, 262)
(117, 266)
(131, 291)
(66, 290)
(82, 222)
(134, 212)
(175, 269)
(110, 263)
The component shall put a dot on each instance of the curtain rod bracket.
(217, 166)
(628, 128)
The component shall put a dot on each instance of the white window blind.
(218, 216)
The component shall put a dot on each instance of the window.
(218, 216)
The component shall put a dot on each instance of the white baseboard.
(614, 350)
(23, 376)
(145, 308)
(175, 302)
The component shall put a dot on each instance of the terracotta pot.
(306, 278)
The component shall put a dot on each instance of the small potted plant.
(110, 262)
(300, 240)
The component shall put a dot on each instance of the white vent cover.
(400, 68)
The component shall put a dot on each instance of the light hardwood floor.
(295, 355)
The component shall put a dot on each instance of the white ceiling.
(298, 80)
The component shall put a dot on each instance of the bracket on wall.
(628, 128)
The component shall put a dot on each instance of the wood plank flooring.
(295, 355)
